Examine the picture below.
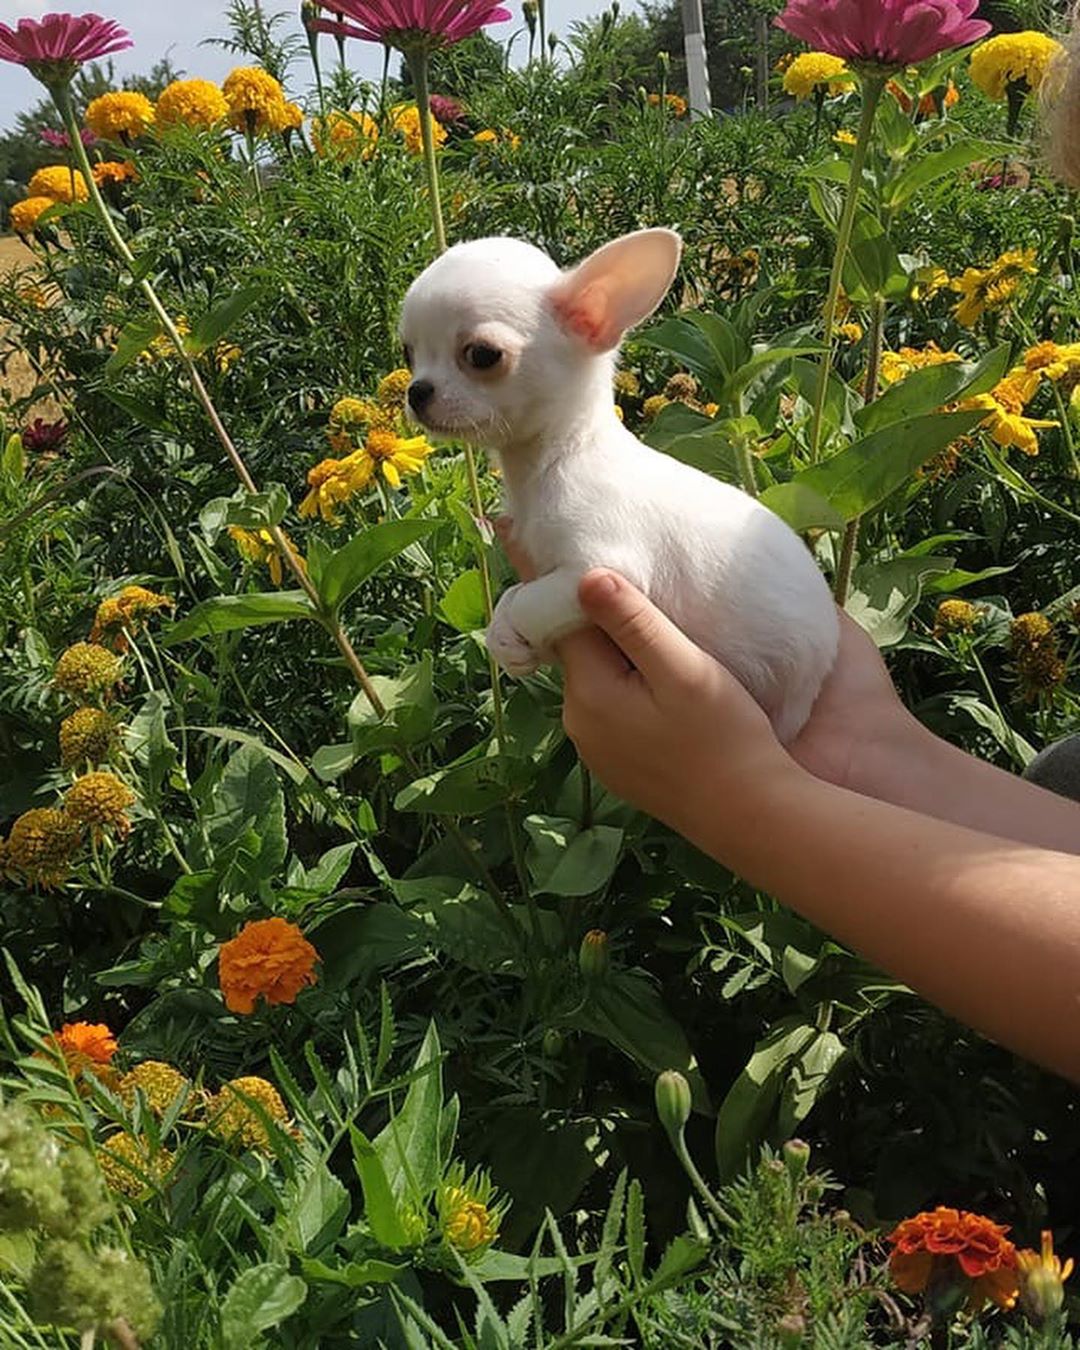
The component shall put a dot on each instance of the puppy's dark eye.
(482, 357)
(406, 352)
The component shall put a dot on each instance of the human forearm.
(987, 929)
(909, 766)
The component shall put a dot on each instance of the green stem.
(873, 88)
(689, 1167)
(744, 457)
(873, 371)
(418, 67)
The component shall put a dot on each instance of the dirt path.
(17, 378)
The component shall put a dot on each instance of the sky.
(177, 27)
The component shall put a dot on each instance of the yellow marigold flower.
(86, 670)
(850, 332)
(114, 171)
(1013, 59)
(159, 1083)
(289, 117)
(41, 846)
(989, 288)
(23, 216)
(121, 115)
(100, 800)
(130, 1166)
(88, 1046)
(233, 1118)
(191, 103)
(896, 366)
(1028, 632)
(928, 282)
(815, 72)
(627, 384)
(345, 135)
(86, 737)
(654, 406)
(1042, 1277)
(710, 409)
(334, 481)
(393, 388)
(396, 455)
(845, 137)
(955, 616)
(467, 1218)
(486, 137)
(405, 118)
(59, 184)
(681, 388)
(269, 958)
(256, 100)
(362, 414)
(122, 614)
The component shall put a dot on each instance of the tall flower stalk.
(873, 86)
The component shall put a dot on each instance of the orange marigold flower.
(84, 1045)
(270, 957)
(944, 1243)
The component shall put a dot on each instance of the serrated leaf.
(260, 1297)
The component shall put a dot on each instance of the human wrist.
(899, 761)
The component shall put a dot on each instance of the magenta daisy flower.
(416, 24)
(888, 33)
(52, 48)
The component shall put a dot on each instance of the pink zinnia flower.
(60, 140)
(53, 48)
(449, 111)
(415, 24)
(891, 33)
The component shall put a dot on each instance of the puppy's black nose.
(420, 392)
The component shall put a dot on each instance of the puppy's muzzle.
(421, 393)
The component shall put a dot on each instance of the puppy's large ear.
(617, 286)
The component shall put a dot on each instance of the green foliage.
(469, 1154)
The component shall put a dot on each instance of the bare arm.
(861, 736)
(986, 927)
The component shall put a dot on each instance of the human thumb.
(646, 636)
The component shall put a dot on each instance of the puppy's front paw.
(516, 656)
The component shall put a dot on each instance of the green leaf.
(463, 605)
(463, 789)
(747, 1109)
(862, 476)
(408, 701)
(925, 391)
(872, 269)
(809, 1076)
(801, 507)
(139, 409)
(674, 421)
(353, 1274)
(635, 1231)
(132, 342)
(408, 1147)
(258, 510)
(627, 1010)
(347, 569)
(245, 826)
(315, 1211)
(147, 741)
(260, 1297)
(884, 594)
(762, 361)
(380, 1208)
(926, 169)
(213, 326)
(682, 1256)
(226, 613)
(566, 860)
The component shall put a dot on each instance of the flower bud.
(663, 61)
(553, 1043)
(1042, 1279)
(530, 9)
(594, 959)
(796, 1158)
(673, 1101)
(791, 1330)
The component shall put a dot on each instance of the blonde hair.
(1061, 105)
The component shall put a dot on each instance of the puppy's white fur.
(583, 492)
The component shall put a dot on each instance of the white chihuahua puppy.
(510, 353)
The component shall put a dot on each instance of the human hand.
(661, 723)
(859, 734)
